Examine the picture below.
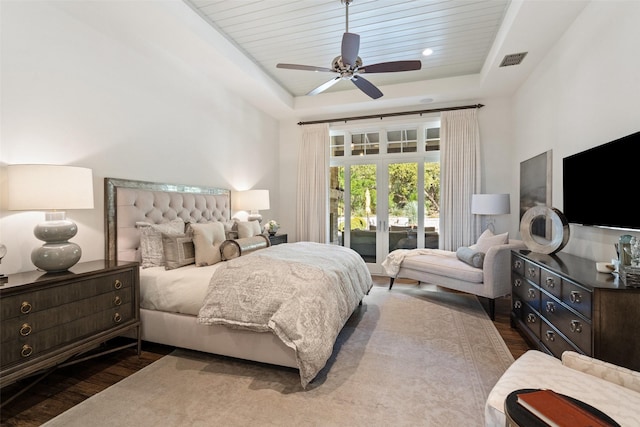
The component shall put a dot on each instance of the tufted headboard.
(127, 202)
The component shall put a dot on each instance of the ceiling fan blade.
(325, 86)
(366, 86)
(303, 67)
(391, 67)
(350, 48)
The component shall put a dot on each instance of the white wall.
(101, 85)
(585, 93)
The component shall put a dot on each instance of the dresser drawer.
(517, 264)
(554, 340)
(574, 327)
(532, 272)
(531, 319)
(33, 323)
(28, 347)
(526, 291)
(34, 301)
(576, 297)
(551, 283)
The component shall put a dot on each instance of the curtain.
(312, 197)
(460, 177)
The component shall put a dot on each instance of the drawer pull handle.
(517, 264)
(25, 329)
(531, 272)
(550, 307)
(531, 293)
(117, 300)
(26, 351)
(576, 326)
(550, 282)
(550, 336)
(25, 307)
(117, 284)
(517, 283)
(517, 304)
(575, 297)
(117, 318)
(531, 318)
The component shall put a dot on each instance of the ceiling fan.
(349, 65)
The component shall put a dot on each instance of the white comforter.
(303, 292)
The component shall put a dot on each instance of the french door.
(377, 206)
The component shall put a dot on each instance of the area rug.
(407, 357)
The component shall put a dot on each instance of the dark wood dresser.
(49, 319)
(560, 302)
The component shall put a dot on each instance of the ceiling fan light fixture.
(348, 66)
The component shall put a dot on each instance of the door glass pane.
(363, 211)
(403, 205)
(431, 204)
(336, 204)
(432, 139)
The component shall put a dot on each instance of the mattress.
(181, 290)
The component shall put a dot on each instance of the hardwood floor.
(67, 387)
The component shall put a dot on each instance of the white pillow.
(151, 240)
(207, 238)
(248, 229)
(488, 239)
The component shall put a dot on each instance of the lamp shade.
(48, 187)
(490, 204)
(251, 200)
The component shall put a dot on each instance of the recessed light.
(427, 52)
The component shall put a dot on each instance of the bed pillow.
(151, 240)
(488, 239)
(230, 249)
(230, 230)
(178, 250)
(207, 238)
(248, 229)
(471, 257)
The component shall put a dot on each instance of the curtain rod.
(381, 116)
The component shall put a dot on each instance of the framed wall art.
(535, 189)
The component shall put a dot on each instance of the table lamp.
(490, 204)
(51, 188)
(253, 201)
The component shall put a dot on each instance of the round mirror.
(544, 230)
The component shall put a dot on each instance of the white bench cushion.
(445, 264)
(535, 369)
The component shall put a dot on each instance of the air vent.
(513, 59)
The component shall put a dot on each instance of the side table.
(277, 239)
(519, 416)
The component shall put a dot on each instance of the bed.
(187, 305)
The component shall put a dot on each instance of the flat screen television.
(600, 185)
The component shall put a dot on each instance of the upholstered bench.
(611, 389)
(444, 268)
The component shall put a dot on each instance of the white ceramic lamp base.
(57, 254)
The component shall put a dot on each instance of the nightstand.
(53, 319)
(278, 239)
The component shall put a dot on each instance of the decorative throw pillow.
(206, 240)
(230, 230)
(151, 240)
(488, 239)
(471, 257)
(248, 229)
(178, 250)
(230, 249)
